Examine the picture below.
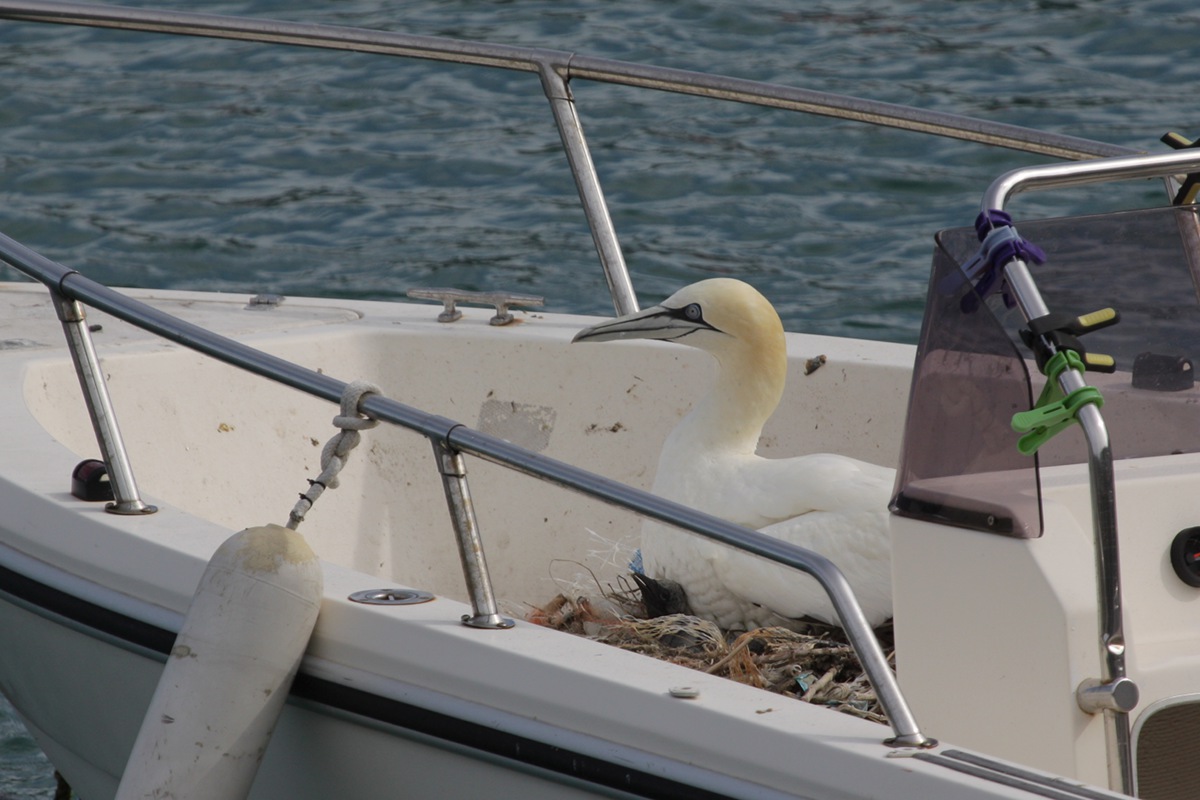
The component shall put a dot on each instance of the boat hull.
(406, 700)
(83, 699)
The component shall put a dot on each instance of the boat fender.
(227, 677)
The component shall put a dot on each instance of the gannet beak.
(657, 322)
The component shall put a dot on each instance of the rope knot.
(333, 456)
(351, 419)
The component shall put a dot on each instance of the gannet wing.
(856, 542)
(789, 487)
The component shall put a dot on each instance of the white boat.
(1041, 655)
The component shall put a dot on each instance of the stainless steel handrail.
(1113, 694)
(457, 438)
(1057, 176)
(568, 65)
(556, 69)
(126, 499)
(587, 181)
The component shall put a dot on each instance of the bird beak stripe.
(668, 324)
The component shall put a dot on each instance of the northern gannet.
(831, 504)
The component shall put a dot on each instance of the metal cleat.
(264, 302)
(499, 300)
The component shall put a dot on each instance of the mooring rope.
(333, 456)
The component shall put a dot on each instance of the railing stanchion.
(1113, 694)
(104, 422)
(466, 533)
(604, 233)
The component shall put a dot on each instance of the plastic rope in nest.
(333, 456)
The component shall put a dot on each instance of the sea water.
(143, 160)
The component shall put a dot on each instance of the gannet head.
(723, 316)
(738, 326)
(735, 324)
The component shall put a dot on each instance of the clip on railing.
(1114, 693)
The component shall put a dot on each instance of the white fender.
(228, 674)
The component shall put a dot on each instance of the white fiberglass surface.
(237, 450)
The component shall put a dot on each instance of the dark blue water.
(194, 164)
(150, 161)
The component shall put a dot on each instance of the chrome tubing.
(470, 544)
(1113, 694)
(854, 622)
(459, 438)
(604, 233)
(126, 499)
(1059, 176)
(556, 69)
(577, 66)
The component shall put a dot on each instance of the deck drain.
(391, 597)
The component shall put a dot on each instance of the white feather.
(831, 504)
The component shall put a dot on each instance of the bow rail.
(448, 436)
(555, 70)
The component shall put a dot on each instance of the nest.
(810, 661)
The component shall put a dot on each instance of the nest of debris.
(810, 660)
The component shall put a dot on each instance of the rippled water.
(149, 161)
(187, 163)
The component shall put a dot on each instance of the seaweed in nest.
(810, 660)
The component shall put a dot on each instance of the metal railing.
(450, 440)
(1113, 694)
(555, 69)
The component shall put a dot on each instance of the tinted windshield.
(960, 464)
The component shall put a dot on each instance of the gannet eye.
(692, 312)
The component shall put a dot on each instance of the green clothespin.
(1053, 411)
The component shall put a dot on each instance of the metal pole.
(104, 422)
(854, 622)
(466, 533)
(450, 439)
(1113, 694)
(604, 234)
(625, 73)
(1057, 176)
